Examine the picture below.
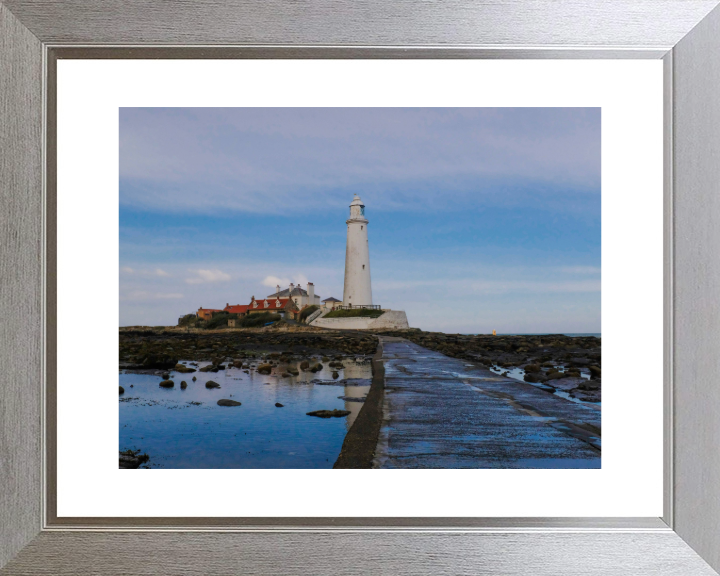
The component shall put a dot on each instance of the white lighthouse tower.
(357, 291)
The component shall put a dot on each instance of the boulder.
(211, 384)
(329, 413)
(183, 385)
(264, 369)
(335, 375)
(278, 405)
(122, 390)
(566, 383)
(535, 377)
(226, 402)
(294, 371)
(207, 368)
(167, 383)
(165, 375)
(183, 369)
(304, 365)
(159, 361)
(594, 371)
(532, 368)
(194, 378)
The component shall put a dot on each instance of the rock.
(325, 359)
(130, 459)
(336, 365)
(159, 361)
(304, 365)
(165, 375)
(183, 385)
(264, 369)
(554, 374)
(226, 402)
(586, 396)
(211, 384)
(335, 375)
(590, 385)
(352, 399)
(532, 368)
(329, 413)
(122, 390)
(285, 375)
(294, 371)
(183, 369)
(594, 371)
(207, 368)
(167, 383)
(535, 377)
(278, 405)
(566, 383)
(194, 378)
(316, 368)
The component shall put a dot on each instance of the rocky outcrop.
(227, 402)
(329, 413)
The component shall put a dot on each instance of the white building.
(331, 303)
(357, 290)
(301, 297)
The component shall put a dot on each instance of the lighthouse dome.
(357, 210)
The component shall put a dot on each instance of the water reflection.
(185, 428)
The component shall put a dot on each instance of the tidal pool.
(187, 429)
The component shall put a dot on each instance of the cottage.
(282, 306)
(206, 313)
(301, 297)
(331, 303)
(239, 309)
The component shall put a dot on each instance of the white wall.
(357, 289)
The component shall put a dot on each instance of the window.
(363, 266)
(361, 227)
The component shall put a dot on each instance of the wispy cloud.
(203, 276)
(143, 296)
(263, 159)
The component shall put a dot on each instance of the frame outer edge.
(696, 110)
(20, 284)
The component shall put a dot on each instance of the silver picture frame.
(685, 34)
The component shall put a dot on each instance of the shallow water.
(187, 429)
(519, 374)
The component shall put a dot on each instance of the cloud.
(143, 295)
(580, 269)
(273, 281)
(261, 160)
(127, 270)
(207, 276)
(161, 272)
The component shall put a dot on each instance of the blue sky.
(480, 218)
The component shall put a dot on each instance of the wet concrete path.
(441, 412)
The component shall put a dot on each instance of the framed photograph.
(360, 274)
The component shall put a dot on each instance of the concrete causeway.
(441, 412)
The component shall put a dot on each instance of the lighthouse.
(357, 290)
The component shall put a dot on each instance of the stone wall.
(391, 319)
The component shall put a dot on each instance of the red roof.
(272, 304)
(236, 308)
